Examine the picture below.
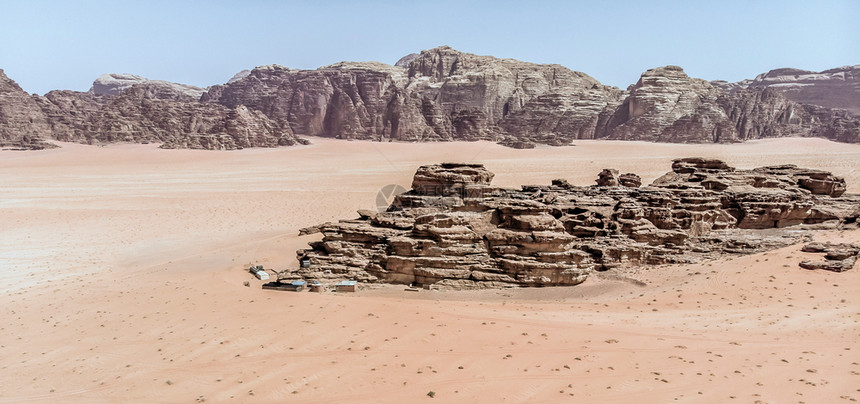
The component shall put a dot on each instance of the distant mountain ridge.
(440, 94)
(833, 88)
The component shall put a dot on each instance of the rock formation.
(146, 111)
(837, 257)
(23, 125)
(404, 61)
(454, 229)
(440, 94)
(837, 88)
(444, 94)
(115, 84)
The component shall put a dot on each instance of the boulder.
(449, 178)
(607, 178)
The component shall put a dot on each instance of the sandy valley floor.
(121, 280)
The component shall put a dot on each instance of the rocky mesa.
(454, 229)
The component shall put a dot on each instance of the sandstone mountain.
(454, 229)
(22, 122)
(440, 94)
(834, 88)
(132, 110)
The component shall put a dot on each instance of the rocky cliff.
(837, 88)
(444, 94)
(454, 229)
(132, 109)
(136, 115)
(22, 123)
(439, 94)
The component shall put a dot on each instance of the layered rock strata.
(23, 125)
(132, 109)
(115, 84)
(440, 94)
(454, 229)
(443, 94)
(837, 88)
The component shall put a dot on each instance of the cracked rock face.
(453, 229)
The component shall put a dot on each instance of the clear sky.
(48, 45)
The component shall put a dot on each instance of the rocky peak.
(7, 85)
(667, 104)
(239, 76)
(23, 124)
(663, 89)
(444, 62)
(693, 164)
(114, 83)
(406, 60)
(445, 94)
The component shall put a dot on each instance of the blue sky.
(67, 44)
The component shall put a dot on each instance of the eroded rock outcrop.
(837, 257)
(454, 229)
(23, 124)
(837, 88)
(667, 105)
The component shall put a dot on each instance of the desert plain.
(122, 272)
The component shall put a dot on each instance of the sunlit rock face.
(453, 229)
(439, 94)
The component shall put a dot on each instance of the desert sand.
(122, 271)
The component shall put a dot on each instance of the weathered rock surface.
(609, 177)
(239, 76)
(23, 125)
(444, 94)
(455, 230)
(404, 61)
(837, 88)
(440, 94)
(114, 84)
(149, 111)
(135, 115)
(837, 257)
(667, 105)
